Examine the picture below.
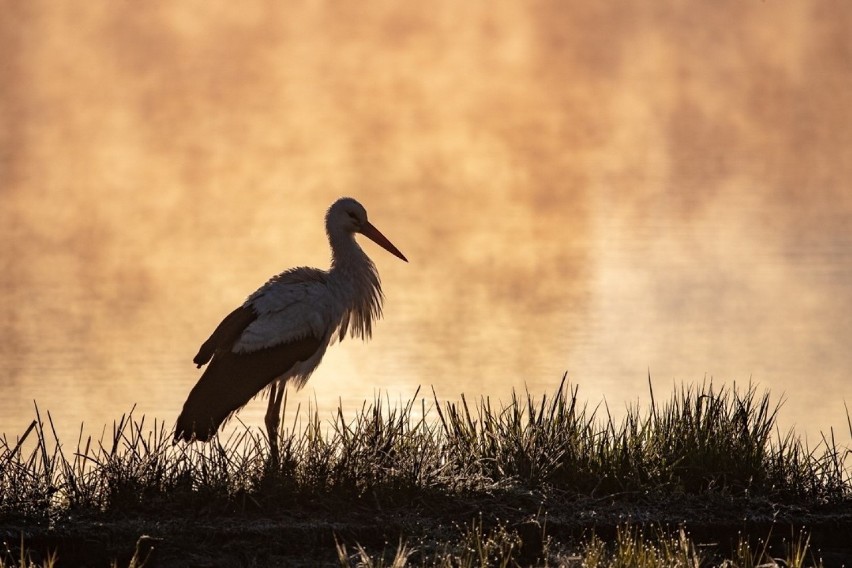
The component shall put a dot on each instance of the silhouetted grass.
(502, 547)
(632, 547)
(706, 447)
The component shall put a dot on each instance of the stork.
(281, 332)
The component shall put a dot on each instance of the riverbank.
(546, 480)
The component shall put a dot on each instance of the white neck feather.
(353, 278)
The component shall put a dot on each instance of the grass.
(500, 547)
(711, 456)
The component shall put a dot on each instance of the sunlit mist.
(603, 190)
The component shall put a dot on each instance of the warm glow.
(592, 188)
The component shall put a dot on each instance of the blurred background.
(607, 191)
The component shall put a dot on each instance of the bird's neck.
(347, 257)
(355, 282)
(351, 267)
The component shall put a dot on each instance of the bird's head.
(349, 216)
(346, 214)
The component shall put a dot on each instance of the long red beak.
(377, 237)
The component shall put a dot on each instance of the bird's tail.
(209, 404)
(231, 381)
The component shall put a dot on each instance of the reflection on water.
(603, 191)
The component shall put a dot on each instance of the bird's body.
(282, 330)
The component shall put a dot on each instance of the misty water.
(579, 190)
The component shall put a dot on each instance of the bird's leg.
(272, 420)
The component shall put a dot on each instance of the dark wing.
(233, 379)
(226, 334)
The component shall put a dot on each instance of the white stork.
(281, 332)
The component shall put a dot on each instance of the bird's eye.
(352, 216)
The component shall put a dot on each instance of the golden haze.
(589, 188)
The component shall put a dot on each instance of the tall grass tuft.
(702, 439)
